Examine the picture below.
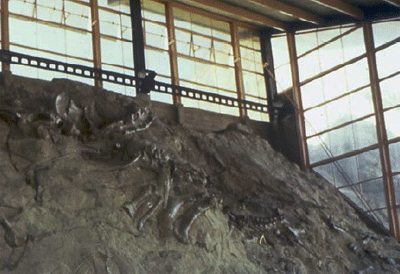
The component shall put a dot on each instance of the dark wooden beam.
(290, 10)
(269, 73)
(94, 9)
(238, 67)
(300, 121)
(342, 7)
(5, 35)
(395, 3)
(241, 13)
(137, 37)
(173, 57)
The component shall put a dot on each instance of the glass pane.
(390, 93)
(353, 44)
(382, 216)
(369, 165)
(335, 84)
(317, 148)
(153, 11)
(357, 74)
(392, 123)
(305, 42)
(365, 133)
(361, 98)
(374, 194)
(316, 120)
(388, 60)
(353, 193)
(326, 172)
(156, 57)
(309, 66)
(385, 32)
(396, 182)
(345, 172)
(394, 151)
(312, 94)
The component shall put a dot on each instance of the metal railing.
(11, 57)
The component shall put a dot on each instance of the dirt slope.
(93, 182)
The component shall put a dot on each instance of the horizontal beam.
(289, 10)
(342, 7)
(241, 13)
(395, 3)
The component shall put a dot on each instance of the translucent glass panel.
(345, 139)
(359, 178)
(116, 41)
(253, 71)
(283, 74)
(385, 32)
(65, 21)
(382, 216)
(388, 60)
(363, 168)
(58, 30)
(205, 58)
(156, 44)
(390, 93)
(332, 102)
(336, 46)
(338, 112)
(392, 123)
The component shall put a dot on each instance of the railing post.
(238, 68)
(269, 74)
(173, 58)
(381, 130)
(138, 38)
(5, 35)
(300, 122)
(94, 10)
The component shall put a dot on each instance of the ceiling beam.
(395, 3)
(342, 7)
(289, 10)
(241, 13)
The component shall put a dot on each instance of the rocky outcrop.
(93, 182)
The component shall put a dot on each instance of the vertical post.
(381, 130)
(138, 38)
(300, 123)
(94, 9)
(269, 74)
(5, 35)
(238, 68)
(173, 58)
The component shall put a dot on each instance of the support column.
(5, 35)
(381, 131)
(94, 9)
(173, 58)
(238, 68)
(138, 38)
(269, 73)
(300, 122)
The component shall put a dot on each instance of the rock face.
(93, 182)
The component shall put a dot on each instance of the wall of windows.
(156, 44)
(253, 70)
(339, 113)
(43, 27)
(116, 41)
(205, 57)
(69, 31)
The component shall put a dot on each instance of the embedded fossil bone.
(185, 221)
